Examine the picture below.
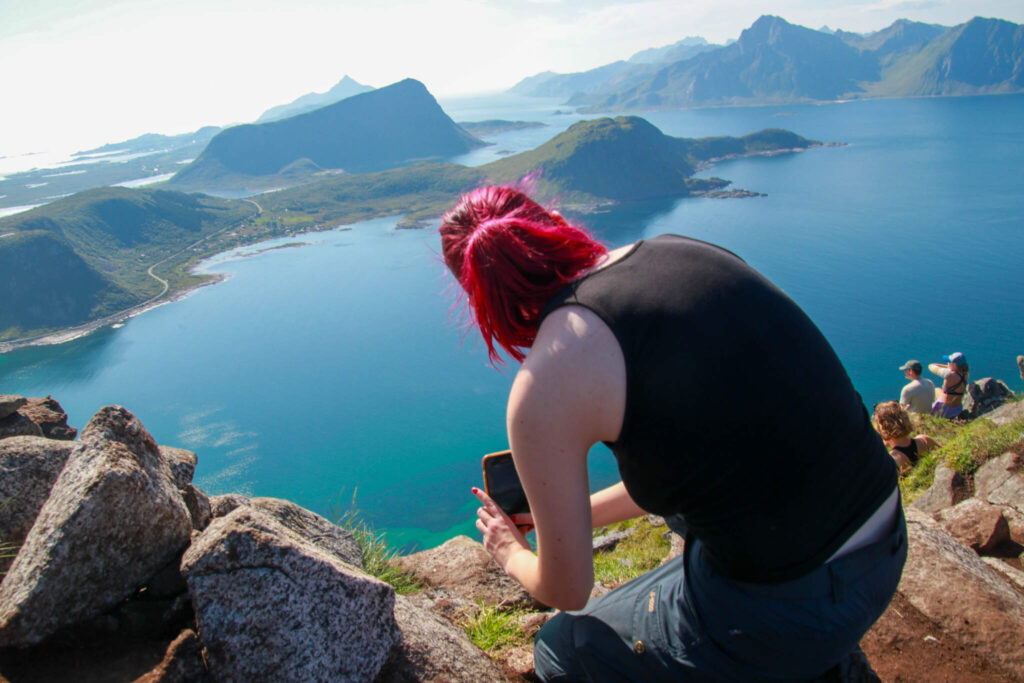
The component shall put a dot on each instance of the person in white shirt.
(919, 394)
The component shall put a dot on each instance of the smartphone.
(501, 482)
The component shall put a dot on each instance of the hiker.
(795, 537)
(892, 422)
(918, 395)
(954, 385)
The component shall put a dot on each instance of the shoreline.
(72, 333)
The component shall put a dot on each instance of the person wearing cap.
(954, 385)
(919, 394)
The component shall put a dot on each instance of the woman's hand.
(502, 538)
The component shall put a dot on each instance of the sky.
(75, 74)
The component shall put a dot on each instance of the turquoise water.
(338, 371)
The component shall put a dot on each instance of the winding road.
(75, 332)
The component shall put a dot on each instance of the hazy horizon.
(92, 72)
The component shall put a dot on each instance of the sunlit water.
(337, 371)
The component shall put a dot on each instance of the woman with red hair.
(795, 538)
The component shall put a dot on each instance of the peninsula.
(99, 256)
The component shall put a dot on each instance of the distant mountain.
(603, 79)
(346, 87)
(773, 61)
(629, 159)
(902, 35)
(393, 126)
(86, 256)
(981, 56)
(154, 142)
(677, 52)
(593, 163)
(776, 62)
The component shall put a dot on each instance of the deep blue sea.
(337, 374)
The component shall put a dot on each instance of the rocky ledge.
(125, 570)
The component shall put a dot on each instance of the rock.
(1012, 573)
(677, 545)
(153, 619)
(222, 505)
(531, 623)
(1015, 520)
(270, 605)
(985, 395)
(948, 489)
(1000, 481)
(9, 404)
(299, 520)
(1006, 413)
(312, 527)
(50, 417)
(183, 662)
(954, 588)
(198, 505)
(976, 524)
(463, 567)
(111, 521)
(432, 649)
(18, 425)
(518, 662)
(29, 465)
(609, 540)
(182, 464)
(166, 583)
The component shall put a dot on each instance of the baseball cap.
(914, 365)
(957, 358)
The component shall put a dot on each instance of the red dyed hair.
(511, 255)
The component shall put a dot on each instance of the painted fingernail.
(476, 490)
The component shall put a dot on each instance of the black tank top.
(772, 481)
(910, 451)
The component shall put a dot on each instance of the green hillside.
(100, 244)
(629, 159)
(87, 256)
(46, 285)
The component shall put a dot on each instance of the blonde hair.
(891, 420)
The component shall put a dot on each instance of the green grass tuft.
(641, 552)
(493, 629)
(378, 556)
(965, 448)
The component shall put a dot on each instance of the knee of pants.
(553, 649)
(575, 646)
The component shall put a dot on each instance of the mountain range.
(777, 62)
(391, 126)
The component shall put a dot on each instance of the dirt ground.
(904, 645)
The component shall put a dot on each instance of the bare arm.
(926, 443)
(612, 505)
(569, 394)
(903, 463)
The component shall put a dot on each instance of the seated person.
(892, 422)
(954, 385)
(919, 394)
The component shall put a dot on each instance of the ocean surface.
(339, 373)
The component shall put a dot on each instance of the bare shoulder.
(575, 374)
